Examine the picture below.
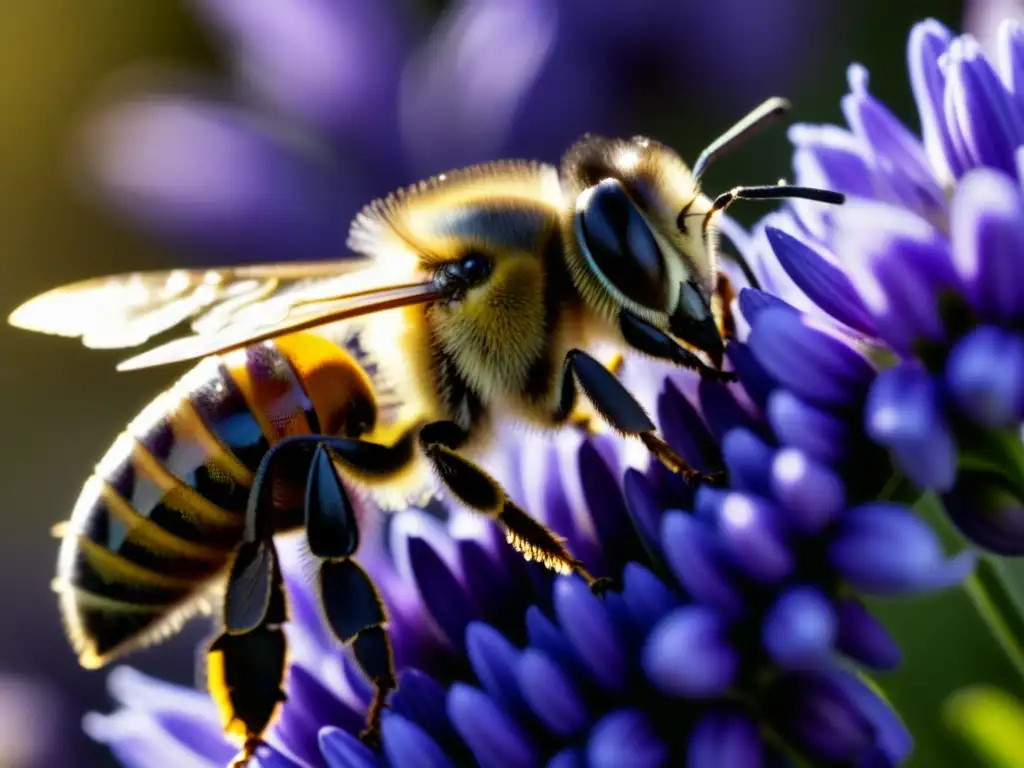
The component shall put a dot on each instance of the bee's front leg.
(618, 407)
(645, 337)
(440, 442)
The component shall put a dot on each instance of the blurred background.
(165, 133)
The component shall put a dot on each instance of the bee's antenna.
(761, 117)
(778, 191)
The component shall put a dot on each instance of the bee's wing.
(295, 312)
(129, 309)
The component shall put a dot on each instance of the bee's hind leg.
(350, 601)
(618, 407)
(441, 441)
(245, 664)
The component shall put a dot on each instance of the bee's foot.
(371, 738)
(714, 479)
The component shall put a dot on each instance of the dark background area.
(63, 404)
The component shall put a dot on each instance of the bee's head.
(637, 227)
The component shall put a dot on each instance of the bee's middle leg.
(440, 442)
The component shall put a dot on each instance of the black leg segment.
(245, 675)
(617, 407)
(349, 599)
(480, 492)
(652, 341)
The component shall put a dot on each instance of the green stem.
(998, 609)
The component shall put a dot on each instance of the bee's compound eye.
(620, 244)
(474, 268)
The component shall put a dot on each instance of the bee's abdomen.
(165, 508)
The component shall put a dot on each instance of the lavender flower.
(920, 267)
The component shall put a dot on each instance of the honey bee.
(480, 294)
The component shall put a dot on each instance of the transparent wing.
(294, 312)
(127, 310)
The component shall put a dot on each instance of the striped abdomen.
(159, 518)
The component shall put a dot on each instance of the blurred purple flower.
(336, 102)
(32, 716)
(921, 269)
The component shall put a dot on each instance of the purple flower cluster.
(728, 624)
(922, 267)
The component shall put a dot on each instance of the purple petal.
(749, 460)
(987, 222)
(904, 414)
(756, 381)
(862, 637)
(689, 654)
(830, 157)
(814, 431)
(695, 556)
(725, 738)
(443, 594)
(588, 627)
(643, 508)
(753, 302)
(568, 758)
(494, 661)
(988, 512)
(753, 529)
(900, 265)
(543, 634)
(491, 734)
(928, 43)
(138, 742)
(1011, 58)
(607, 508)
(625, 737)
(552, 695)
(407, 744)
(420, 699)
(891, 737)
(985, 376)
(813, 495)
(899, 154)
(684, 429)
(336, 64)
(986, 118)
(490, 587)
(815, 365)
(217, 178)
(203, 736)
(343, 750)
(268, 757)
(310, 704)
(816, 274)
(721, 409)
(800, 629)
(885, 549)
(820, 718)
(646, 596)
(462, 92)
